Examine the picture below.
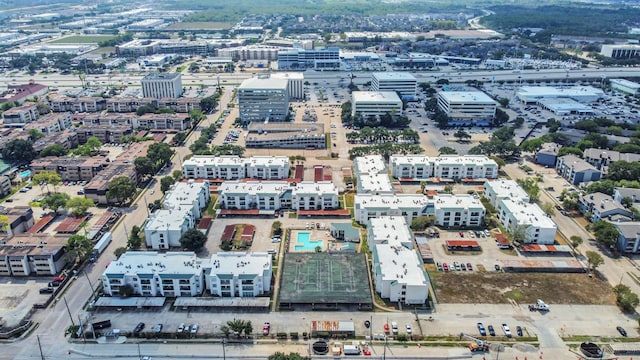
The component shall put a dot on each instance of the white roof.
(374, 183)
(410, 159)
(467, 97)
(230, 160)
(549, 91)
(447, 201)
(253, 187)
(316, 188)
(239, 263)
(370, 164)
(288, 75)
(395, 201)
(504, 188)
(528, 214)
(464, 160)
(268, 161)
(167, 219)
(264, 83)
(185, 192)
(392, 230)
(375, 97)
(393, 76)
(151, 262)
(627, 83)
(400, 264)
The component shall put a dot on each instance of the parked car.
(194, 328)
(158, 329)
(409, 330)
(497, 267)
(439, 266)
(622, 331)
(394, 328)
(266, 327)
(469, 267)
(492, 331)
(506, 330)
(445, 267)
(180, 328)
(481, 329)
(386, 328)
(138, 328)
(46, 290)
(519, 330)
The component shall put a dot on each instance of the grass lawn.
(82, 39)
(499, 288)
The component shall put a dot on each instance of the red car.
(366, 352)
(59, 278)
(386, 328)
(265, 328)
(445, 267)
(461, 233)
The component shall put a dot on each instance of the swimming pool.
(25, 174)
(305, 242)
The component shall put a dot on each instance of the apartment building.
(309, 195)
(598, 206)
(170, 274)
(180, 105)
(51, 123)
(71, 168)
(190, 195)
(239, 274)
(403, 83)
(84, 104)
(390, 230)
(162, 85)
(234, 167)
(517, 215)
(104, 133)
(628, 236)
(97, 188)
(602, 158)
(576, 170)
(263, 100)
(375, 103)
(455, 167)
(32, 254)
(367, 206)
(370, 164)
(174, 122)
(470, 106)
(20, 115)
(275, 195)
(5, 185)
(67, 138)
(547, 154)
(458, 210)
(128, 104)
(501, 189)
(20, 219)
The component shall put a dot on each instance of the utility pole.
(69, 311)
(40, 347)
(90, 284)
(224, 351)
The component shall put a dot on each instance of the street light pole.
(69, 311)
(90, 284)
(224, 351)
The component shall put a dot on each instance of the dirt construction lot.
(497, 288)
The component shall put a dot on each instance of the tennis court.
(324, 281)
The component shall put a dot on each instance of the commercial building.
(454, 167)
(296, 83)
(234, 167)
(318, 59)
(501, 189)
(367, 206)
(517, 215)
(467, 106)
(581, 94)
(32, 255)
(458, 210)
(368, 103)
(263, 100)
(182, 206)
(286, 136)
(239, 274)
(576, 170)
(397, 270)
(547, 154)
(276, 195)
(620, 51)
(403, 83)
(625, 86)
(170, 274)
(162, 85)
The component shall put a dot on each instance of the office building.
(239, 274)
(470, 106)
(620, 51)
(371, 103)
(301, 59)
(296, 83)
(402, 83)
(234, 167)
(162, 85)
(576, 170)
(625, 86)
(263, 100)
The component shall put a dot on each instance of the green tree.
(518, 234)
(626, 299)
(45, 178)
(165, 183)
(134, 241)
(548, 208)
(605, 232)
(575, 241)
(144, 166)
(119, 251)
(159, 153)
(462, 135)
(193, 239)
(125, 290)
(177, 175)
(79, 205)
(78, 247)
(569, 150)
(196, 116)
(93, 143)
(19, 151)
(594, 260)
(121, 190)
(35, 134)
(208, 104)
(291, 356)
(420, 223)
(55, 201)
(53, 150)
(530, 186)
(179, 138)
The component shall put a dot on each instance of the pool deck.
(316, 234)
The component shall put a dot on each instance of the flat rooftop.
(264, 83)
(397, 201)
(375, 97)
(239, 263)
(393, 76)
(528, 214)
(467, 97)
(507, 188)
(151, 262)
(370, 164)
(446, 201)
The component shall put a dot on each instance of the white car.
(194, 328)
(409, 329)
(506, 330)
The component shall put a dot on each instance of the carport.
(130, 302)
(255, 304)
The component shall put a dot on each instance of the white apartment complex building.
(456, 167)
(467, 105)
(368, 206)
(458, 210)
(372, 103)
(275, 195)
(501, 189)
(517, 215)
(370, 164)
(239, 274)
(402, 83)
(234, 167)
(162, 85)
(263, 100)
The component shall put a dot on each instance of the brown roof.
(462, 243)
(70, 225)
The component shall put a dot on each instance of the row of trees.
(158, 154)
(385, 150)
(381, 135)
